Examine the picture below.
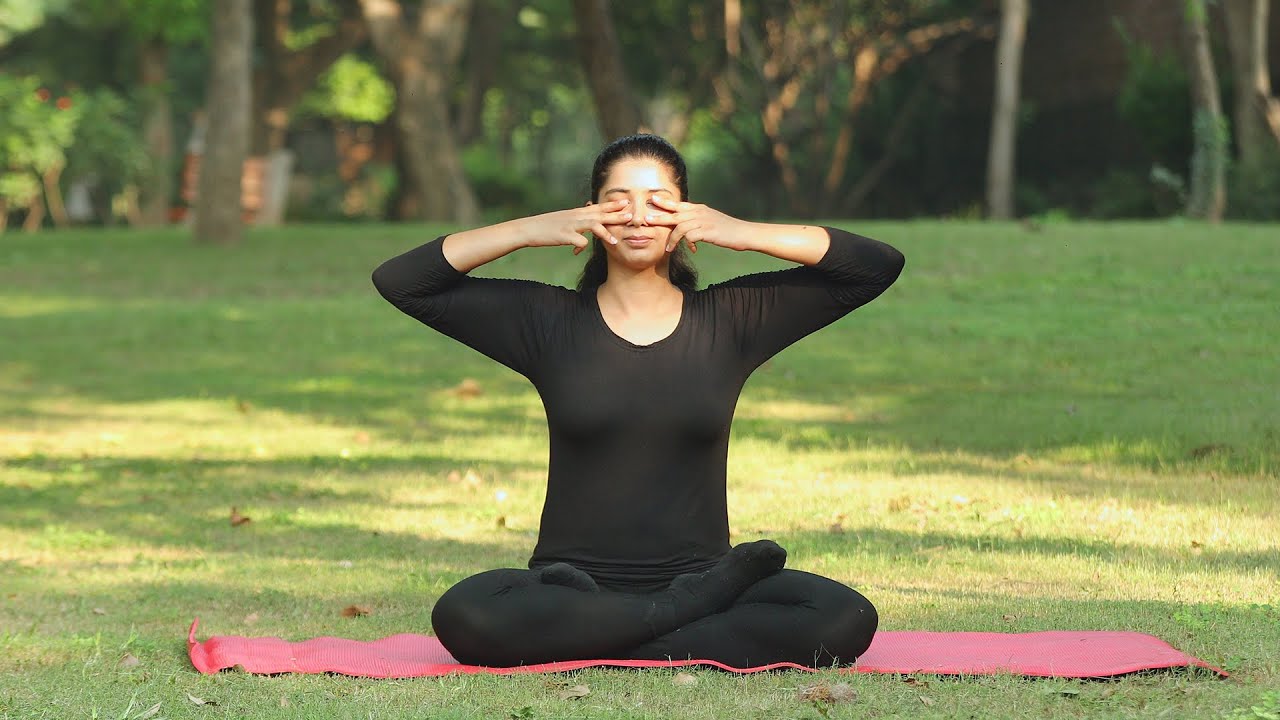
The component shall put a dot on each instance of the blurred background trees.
(465, 110)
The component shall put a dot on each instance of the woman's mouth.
(638, 240)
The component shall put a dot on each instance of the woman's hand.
(695, 223)
(566, 227)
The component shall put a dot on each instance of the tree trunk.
(616, 108)
(218, 201)
(484, 41)
(1004, 117)
(419, 58)
(157, 132)
(285, 75)
(53, 196)
(1257, 133)
(1208, 197)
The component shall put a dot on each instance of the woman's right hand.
(567, 227)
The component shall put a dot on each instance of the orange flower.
(43, 94)
(64, 103)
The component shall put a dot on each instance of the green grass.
(1072, 428)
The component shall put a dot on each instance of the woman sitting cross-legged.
(639, 373)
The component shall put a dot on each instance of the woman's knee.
(467, 619)
(850, 623)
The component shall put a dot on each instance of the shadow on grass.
(921, 547)
(185, 504)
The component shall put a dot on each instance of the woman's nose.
(639, 210)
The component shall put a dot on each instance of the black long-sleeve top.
(639, 434)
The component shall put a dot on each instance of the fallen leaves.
(200, 701)
(129, 660)
(149, 712)
(827, 694)
(468, 388)
(356, 611)
(684, 679)
(567, 690)
(574, 692)
(237, 519)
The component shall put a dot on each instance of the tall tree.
(150, 29)
(420, 55)
(218, 205)
(1208, 196)
(1004, 117)
(810, 69)
(616, 108)
(1257, 114)
(287, 71)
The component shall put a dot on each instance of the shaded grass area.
(1072, 428)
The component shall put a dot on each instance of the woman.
(639, 374)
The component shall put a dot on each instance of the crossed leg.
(743, 611)
(792, 616)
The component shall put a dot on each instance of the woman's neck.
(640, 292)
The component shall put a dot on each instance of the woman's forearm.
(804, 244)
(470, 249)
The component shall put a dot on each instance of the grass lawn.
(1076, 428)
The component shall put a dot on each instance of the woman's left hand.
(695, 223)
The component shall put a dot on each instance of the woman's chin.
(639, 258)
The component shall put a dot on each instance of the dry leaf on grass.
(684, 679)
(824, 693)
(284, 702)
(573, 692)
(129, 660)
(356, 611)
(99, 611)
(149, 712)
(927, 701)
(200, 701)
(468, 388)
(251, 618)
(237, 519)
(915, 681)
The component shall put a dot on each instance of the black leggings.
(505, 618)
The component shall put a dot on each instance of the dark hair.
(680, 269)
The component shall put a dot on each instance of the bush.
(1253, 190)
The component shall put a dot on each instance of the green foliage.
(1254, 189)
(36, 129)
(22, 16)
(107, 144)
(174, 21)
(1155, 101)
(351, 89)
(501, 193)
(1267, 708)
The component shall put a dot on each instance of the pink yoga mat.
(1086, 654)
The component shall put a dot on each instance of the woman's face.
(640, 245)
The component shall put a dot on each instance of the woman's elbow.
(388, 286)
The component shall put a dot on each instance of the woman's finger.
(617, 218)
(603, 234)
(667, 203)
(680, 232)
(666, 218)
